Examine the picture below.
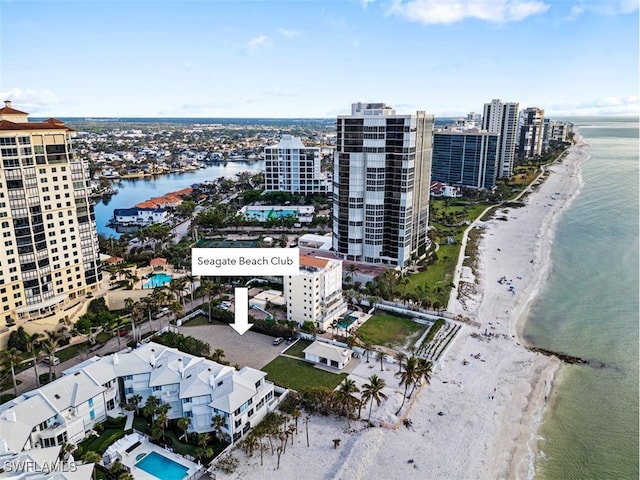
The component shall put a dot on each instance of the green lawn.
(140, 423)
(202, 320)
(72, 351)
(300, 375)
(296, 349)
(100, 443)
(388, 330)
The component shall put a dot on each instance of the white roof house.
(327, 354)
(40, 464)
(66, 409)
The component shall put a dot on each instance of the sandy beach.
(478, 417)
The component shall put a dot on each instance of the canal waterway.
(136, 190)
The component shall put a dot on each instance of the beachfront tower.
(292, 167)
(531, 133)
(502, 118)
(382, 173)
(465, 158)
(50, 256)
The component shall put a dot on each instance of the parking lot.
(251, 349)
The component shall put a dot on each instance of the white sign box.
(247, 262)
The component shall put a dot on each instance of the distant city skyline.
(308, 59)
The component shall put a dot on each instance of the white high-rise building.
(315, 295)
(502, 118)
(50, 244)
(292, 167)
(382, 173)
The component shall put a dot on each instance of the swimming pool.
(346, 321)
(162, 467)
(157, 280)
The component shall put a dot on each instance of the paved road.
(251, 349)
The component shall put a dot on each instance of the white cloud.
(365, 3)
(30, 101)
(289, 34)
(603, 7)
(257, 42)
(429, 12)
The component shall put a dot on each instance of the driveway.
(251, 349)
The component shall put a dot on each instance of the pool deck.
(129, 459)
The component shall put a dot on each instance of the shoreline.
(479, 417)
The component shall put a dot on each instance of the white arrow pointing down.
(241, 324)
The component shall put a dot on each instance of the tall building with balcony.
(467, 158)
(292, 167)
(50, 244)
(315, 295)
(381, 179)
(502, 118)
(531, 133)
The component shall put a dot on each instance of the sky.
(314, 58)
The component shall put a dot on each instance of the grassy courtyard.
(299, 375)
(297, 348)
(388, 330)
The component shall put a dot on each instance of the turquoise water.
(589, 308)
(346, 321)
(157, 280)
(162, 467)
(263, 215)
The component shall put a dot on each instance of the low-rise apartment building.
(68, 408)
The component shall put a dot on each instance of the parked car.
(56, 360)
(278, 341)
(123, 332)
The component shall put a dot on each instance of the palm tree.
(33, 341)
(135, 401)
(183, 424)
(380, 356)
(400, 357)
(92, 457)
(149, 409)
(136, 321)
(162, 418)
(407, 377)
(307, 419)
(10, 358)
(346, 401)
(423, 372)
(373, 391)
(334, 327)
(190, 279)
(50, 345)
(368, 348)
(219, 422)
(203, 439)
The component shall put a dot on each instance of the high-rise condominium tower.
(467, 158)
(381, 179)
(502, 118)
(292, 167)
(531, 133)
(50, 244)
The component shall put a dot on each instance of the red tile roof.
(11, 111)
(49, 124)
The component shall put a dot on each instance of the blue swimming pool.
(157, 280)
(346, 321)
(162, 467)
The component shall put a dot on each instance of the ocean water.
(589, 308)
